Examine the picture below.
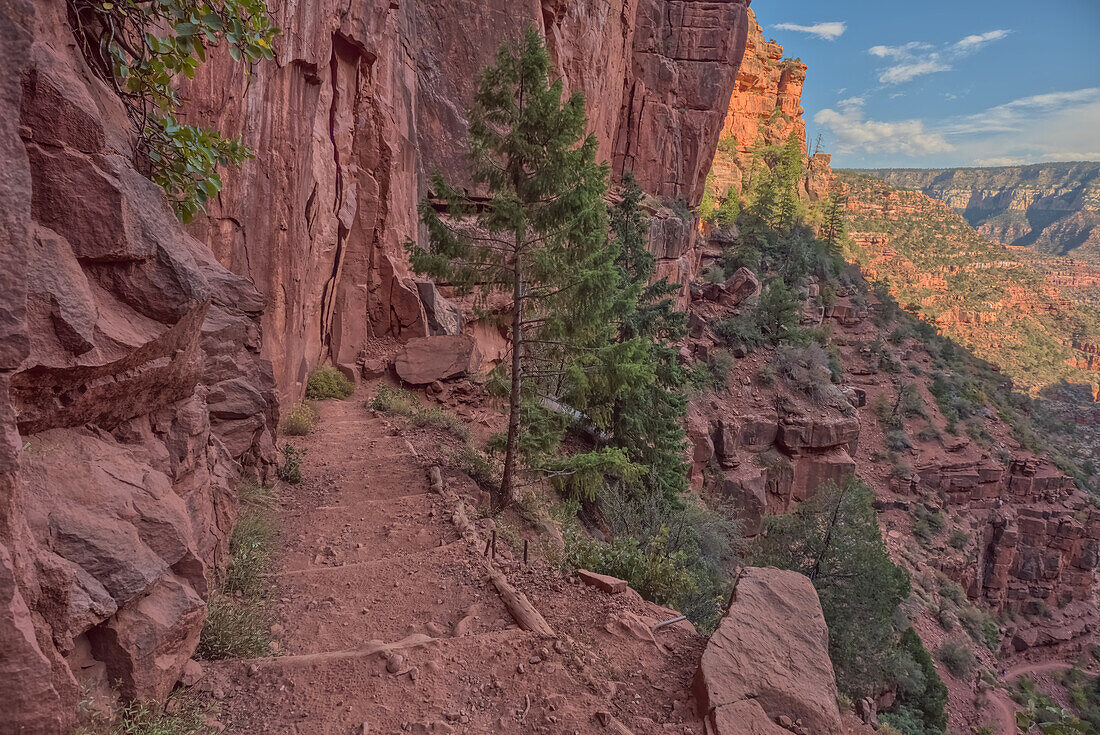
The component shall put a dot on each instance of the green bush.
(436, 416)
(652, 570)
(328, 382)
(394, 401)
(958, 659)
(958, 539)
(183, 716)
(921, 692)
(290, 471)
(300, 420)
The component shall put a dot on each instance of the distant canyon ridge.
(1051, 208)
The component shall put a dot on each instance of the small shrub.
(184, 717)
(328, 382)
(480, 469)
(911, 402)
(300, 420)
(436, 416)
(714, 274)
(290, 471)
(958, 659)
(739, 331)
(898, 441)
(927, 524)
(958, 539)
(238, 618)
(394, 401)
(928, 433)
(654, 572)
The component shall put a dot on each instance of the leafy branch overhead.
(140, 47)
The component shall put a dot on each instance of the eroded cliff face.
(1049, 207)
(364, 102)
(765, 109)
(134, 392)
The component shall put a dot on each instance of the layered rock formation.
(1050, 207)
(1013, 308)
(133, 393)
(765, 109)
(363, 103)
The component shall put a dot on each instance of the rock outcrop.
(363, 103)
(768, 662)
(765, 109)
(134, 391)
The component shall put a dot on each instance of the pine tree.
(834, 539)
(646, 420)
(832, 230)
(540, 235)
(788, 174)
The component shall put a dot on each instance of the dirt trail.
(1006, 707)
(387, 617)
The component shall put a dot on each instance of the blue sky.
(946, 82)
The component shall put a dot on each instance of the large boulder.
(741, 286)
(772, 647)
(427, 359)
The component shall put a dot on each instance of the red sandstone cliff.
(765, 109)
(364, 101)
(133, 390)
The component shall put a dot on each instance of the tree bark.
(507, 481)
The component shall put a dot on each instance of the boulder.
(800, 433)
(741, 286)
(772, 648)
(810, 471)
(444, 317)
(746, 717)
(427, 359)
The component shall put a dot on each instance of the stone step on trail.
(371, 529)
(427, 592)
(508, 692)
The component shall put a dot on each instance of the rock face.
(765, 109)
(769, 659)
(134, 391)
(804, 453)
(365, 101)
(1050, 207)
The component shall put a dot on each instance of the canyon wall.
(133, 394)
(1049, 207)
(364, 102)
(765, 109)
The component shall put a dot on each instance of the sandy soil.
(387, 622)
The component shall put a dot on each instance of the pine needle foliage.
(537, 231)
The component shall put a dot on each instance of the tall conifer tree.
(537, 230)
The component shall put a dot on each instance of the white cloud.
(905, 72)
(851, 102)
(829, 31)
(898, 52)
(1011, 116)
(1055, 126)
(853, 133)
(917, 59)
(972, 43)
